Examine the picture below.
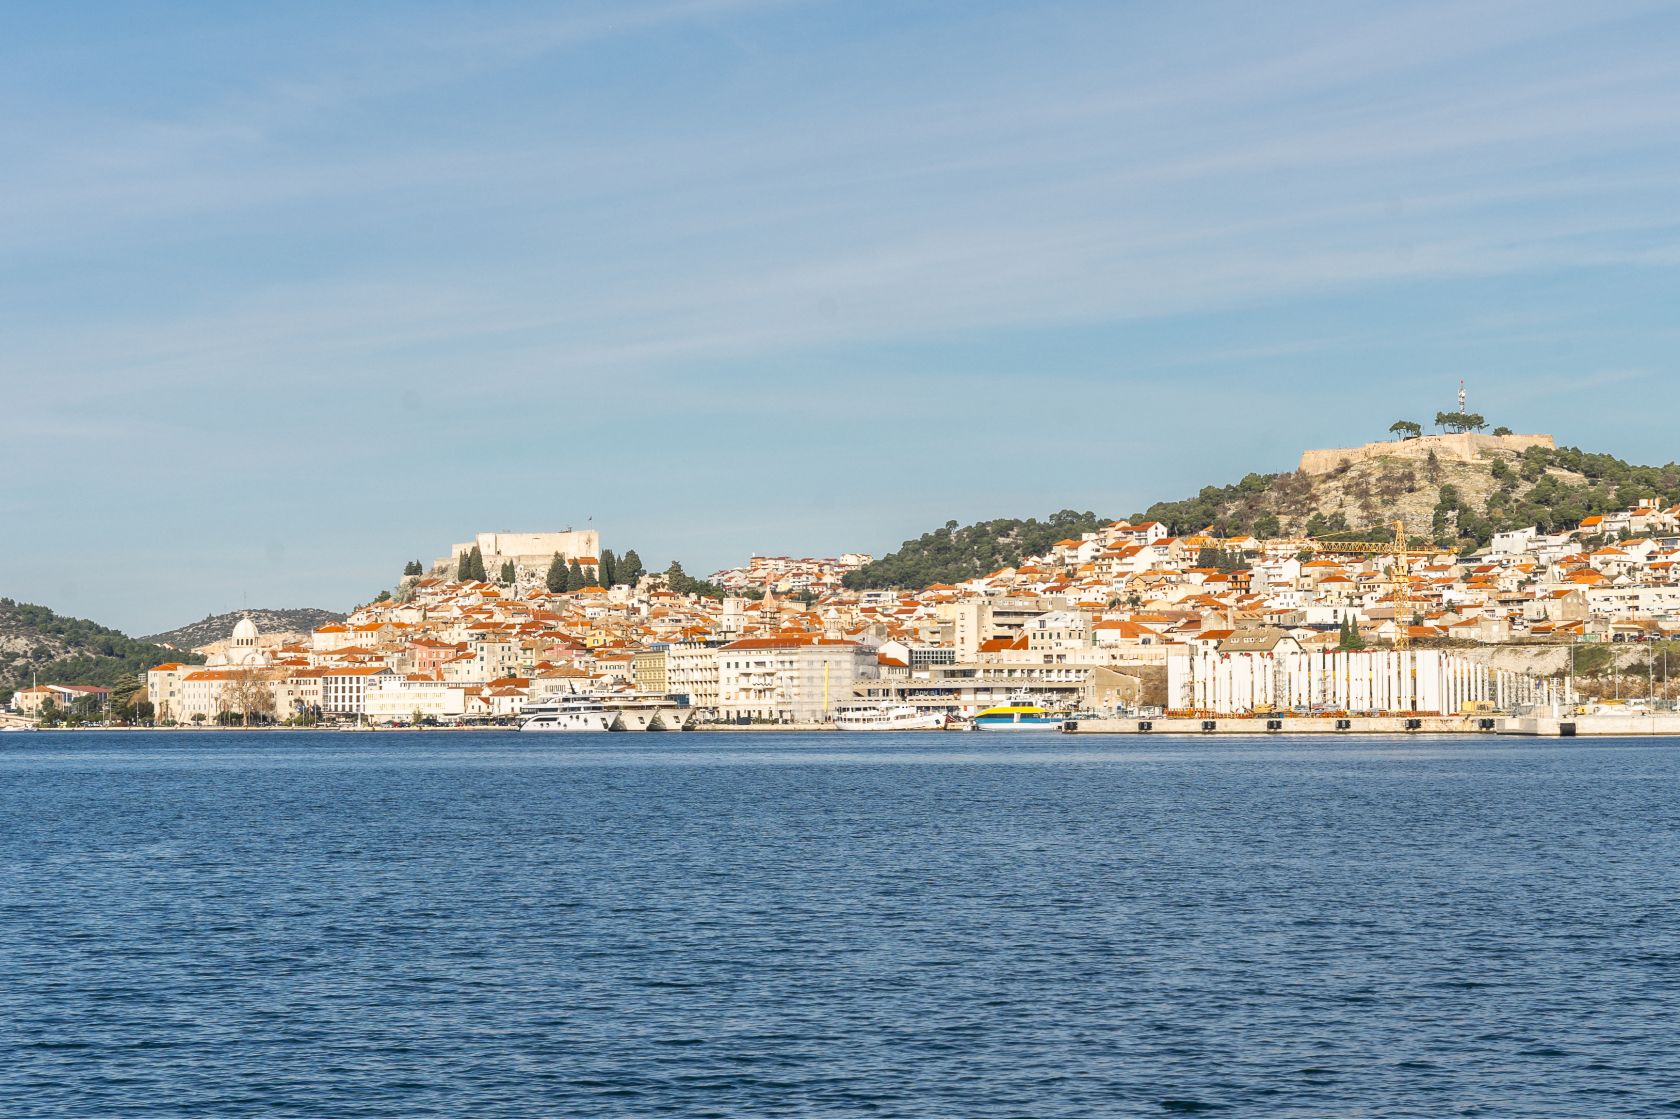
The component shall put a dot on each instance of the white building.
(243, 648)
(1423, 681)
(344, 689)
(397, 699)
(691, 670)
(789, 679)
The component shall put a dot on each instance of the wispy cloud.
(680, 207)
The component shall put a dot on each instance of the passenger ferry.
(612, 711)
(880, 716)
(1017, 716)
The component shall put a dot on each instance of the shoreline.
(1214, 726)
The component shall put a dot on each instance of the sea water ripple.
(204, 924)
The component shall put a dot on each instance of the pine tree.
(413, 568)
(557, 575)
(630, 569)
(609, 568)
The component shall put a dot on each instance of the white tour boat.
(880, 716)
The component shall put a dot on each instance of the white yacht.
(883, 716)
(646, 711)
(612, 711)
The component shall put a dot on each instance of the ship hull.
(918, 722)
(1035, 723)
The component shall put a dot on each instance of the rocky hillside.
(37, 643)
(1456, 503)
(217, 627)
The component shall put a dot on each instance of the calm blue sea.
(336, 925)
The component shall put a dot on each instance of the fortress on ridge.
(1467, 447)
(531, 552)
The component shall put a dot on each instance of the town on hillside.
(1113, 620)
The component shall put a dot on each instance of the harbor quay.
(1550, 725)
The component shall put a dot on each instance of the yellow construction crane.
(1399, 572)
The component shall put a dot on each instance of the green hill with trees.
(951, 554)
(38, 644)
(1458, 505)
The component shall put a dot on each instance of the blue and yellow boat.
(1017, 716)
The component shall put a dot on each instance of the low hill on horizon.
(1457, 504)
(38, 644)
(217, 627)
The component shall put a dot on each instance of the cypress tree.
(630, 569)
(574, 576)
(557, 575)
(478, 565)
(609, 568)
(507, 573)
(463, 569)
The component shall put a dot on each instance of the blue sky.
(292, 294)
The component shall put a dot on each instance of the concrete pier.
(1289, 724)
(1633, 724)
(1532, 726)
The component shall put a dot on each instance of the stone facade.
(531, 552)
(1468, 447)
(789, 679)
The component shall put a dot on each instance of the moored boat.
(1017, 716)
(881, 716)
(578, 713)
(637, 711)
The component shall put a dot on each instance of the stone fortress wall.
(531, 552)
(1468, 447)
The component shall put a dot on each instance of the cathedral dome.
(245, 633)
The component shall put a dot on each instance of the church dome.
(245, 633)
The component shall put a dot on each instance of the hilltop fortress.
(1467, 447)
(531, 552)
